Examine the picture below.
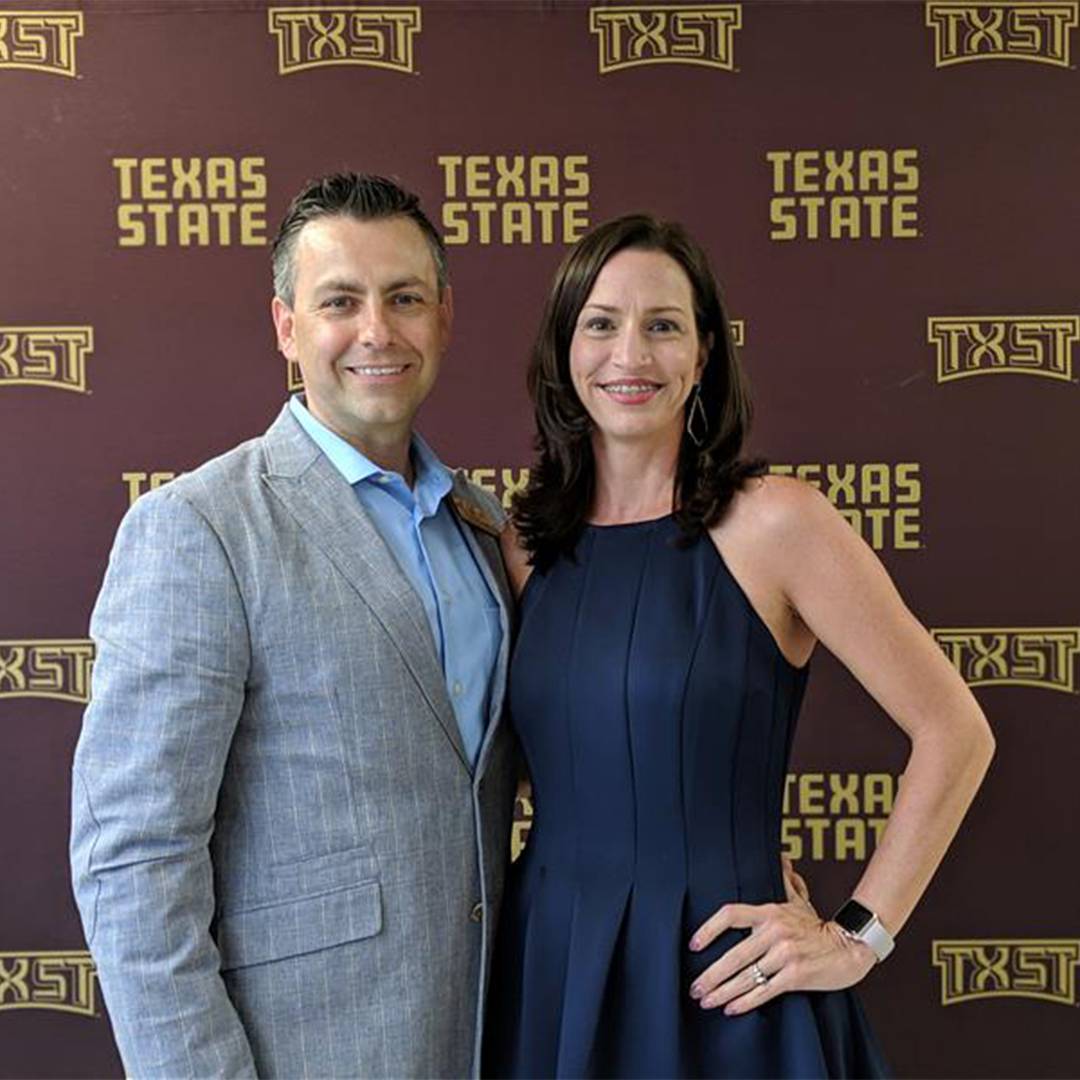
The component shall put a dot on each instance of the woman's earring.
(697, 423)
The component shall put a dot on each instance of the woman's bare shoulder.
(768, 509)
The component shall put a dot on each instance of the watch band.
(859, 923)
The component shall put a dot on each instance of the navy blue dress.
(656, 714)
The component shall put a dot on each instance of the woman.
(671, 596)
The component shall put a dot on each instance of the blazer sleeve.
(168, 688)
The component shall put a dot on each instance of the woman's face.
(635, 354)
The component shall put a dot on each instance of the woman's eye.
(662, 326)
(598, 322)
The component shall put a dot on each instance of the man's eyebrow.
(351, 286)
(339, 285)
(409, 282)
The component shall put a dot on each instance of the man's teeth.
(378, 370)
(630, 388)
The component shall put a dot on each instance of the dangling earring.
(697, 423)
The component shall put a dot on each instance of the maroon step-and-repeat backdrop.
(889, 193)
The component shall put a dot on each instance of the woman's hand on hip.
(789, 947)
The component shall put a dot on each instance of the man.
(292, 794)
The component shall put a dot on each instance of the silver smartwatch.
(861, 924)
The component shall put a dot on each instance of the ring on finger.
(759, 976)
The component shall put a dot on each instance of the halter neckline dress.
(656, 714)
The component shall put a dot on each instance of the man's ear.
(284, 324)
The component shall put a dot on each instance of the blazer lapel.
(481, 534)
(326, 508)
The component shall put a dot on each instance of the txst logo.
(311, 37)
(61, 981)
(46, 669)
(40, 40)
(969, 345)
(1001, 30)
(1042, 656)
(698, 34)
(53, 356)
(1043, 969)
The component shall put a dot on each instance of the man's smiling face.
(367, 326)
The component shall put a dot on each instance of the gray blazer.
(283, 862)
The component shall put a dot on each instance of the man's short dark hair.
(356, 195)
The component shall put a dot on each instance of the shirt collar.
(433, 479)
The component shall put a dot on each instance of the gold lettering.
(839, 816)
(698, 34)
(14, 988)
(1000, 30)
(223, 204)
(138, 483)
(513, 482)
(1017, 967)
(46, 669)
(41, 41)
(985, 26)
(59, 981)
(310, 37)
(1041, 657)
(53, 356)
(11, 670)
(476, 186)
(843, 793)
(1004, 344)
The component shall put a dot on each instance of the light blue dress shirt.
(423, 534)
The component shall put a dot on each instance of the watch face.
(853, 917)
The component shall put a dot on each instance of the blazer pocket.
(294, 927)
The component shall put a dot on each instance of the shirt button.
(477, 913)
(458, 688)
